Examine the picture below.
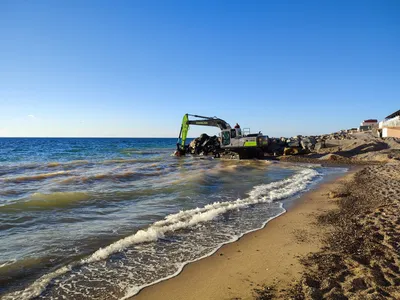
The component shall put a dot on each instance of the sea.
(101, 218)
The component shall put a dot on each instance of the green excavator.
(233, 142)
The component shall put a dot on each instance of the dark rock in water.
(204, 144)
(276, 146)
(203, 137)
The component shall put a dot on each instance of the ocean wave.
(41, 166)
(36, 176)
(13, 168)
(103, 176)
(7, 263)
(107, 176)
(259, 194)
(8, 192)
(39, 201)
(130, 151)
(130, 161)
(119, 176)
(53, 164)
(66, 164)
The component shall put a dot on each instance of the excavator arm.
(202, 121)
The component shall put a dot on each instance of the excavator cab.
(231, 136)
(236, 133)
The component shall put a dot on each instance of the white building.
(390, 127)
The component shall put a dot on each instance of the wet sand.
(269, 256)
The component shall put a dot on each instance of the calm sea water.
(101, 218)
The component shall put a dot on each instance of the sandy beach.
(267, 257)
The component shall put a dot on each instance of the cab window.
(226, 138)
(233, 133)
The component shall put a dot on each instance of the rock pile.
(299, 144)
(295, 145)
(205, 145)
(340, 135)
(304, 144)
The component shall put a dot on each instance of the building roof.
(371, 121)
(395, 114)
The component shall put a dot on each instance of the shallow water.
(101, 218)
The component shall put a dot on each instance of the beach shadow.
(370, 147)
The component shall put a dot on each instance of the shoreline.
(264, 256)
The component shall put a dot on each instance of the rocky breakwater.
(305, 144)
(211, 145)
(344, 146)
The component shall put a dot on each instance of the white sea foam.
(133, 290)
(183, 219)
(7, 263)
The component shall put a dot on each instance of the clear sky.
(133, 68)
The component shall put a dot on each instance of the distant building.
(390, 127)
(367, 125)
(369, 122)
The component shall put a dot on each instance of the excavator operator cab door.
(226, 137)
(236, 133)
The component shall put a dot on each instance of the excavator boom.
(209, 121)
(202, 121)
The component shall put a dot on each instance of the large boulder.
(294, 143)
(204, 144)
(308, 143)
(204, 137)
(291, 151)
(318, 146)
(275, 146)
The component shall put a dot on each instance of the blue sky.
(133, 68)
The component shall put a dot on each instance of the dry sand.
(361, 254)
(268, 256)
